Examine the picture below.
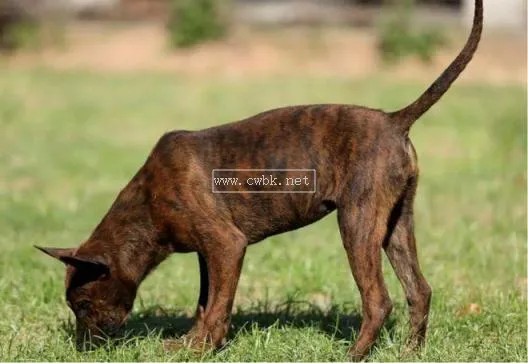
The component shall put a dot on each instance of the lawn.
(70, 141)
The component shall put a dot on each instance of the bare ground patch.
(321, 52)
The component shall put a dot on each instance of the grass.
(70, 141)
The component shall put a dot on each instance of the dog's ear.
(60, 254)
(69, 257)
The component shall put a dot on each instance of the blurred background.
(259, 37)
(88, 86)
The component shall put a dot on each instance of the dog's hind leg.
(401, 251)
(363, 226)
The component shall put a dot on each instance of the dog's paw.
(356, 355)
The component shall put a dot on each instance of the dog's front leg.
(224, 266)
(199, 315)
(221, 264)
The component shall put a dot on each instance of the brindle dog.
(366, 169)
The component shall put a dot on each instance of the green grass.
(70, 141)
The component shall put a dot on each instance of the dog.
(366, 169)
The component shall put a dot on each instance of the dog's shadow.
(336, 321)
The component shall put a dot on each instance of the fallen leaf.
(470, 309)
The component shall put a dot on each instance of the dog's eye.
(82, 308)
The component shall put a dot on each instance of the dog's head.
(100, 300)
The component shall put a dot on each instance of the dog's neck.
(128, 239)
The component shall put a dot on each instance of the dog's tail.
(407, 116)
